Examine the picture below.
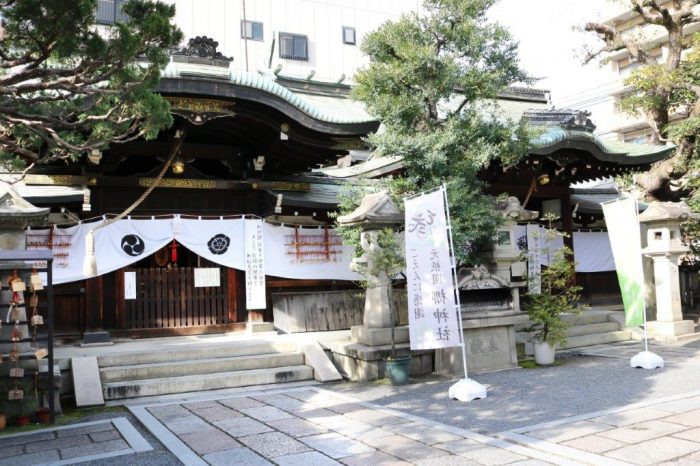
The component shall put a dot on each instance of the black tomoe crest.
(133, 245)
(218, 244)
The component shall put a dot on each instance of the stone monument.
(665, 248)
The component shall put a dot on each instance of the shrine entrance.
(166, 292)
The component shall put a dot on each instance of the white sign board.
(534, 271)
(129, 285)
(254, 265)
(432, 302)
(207, 276)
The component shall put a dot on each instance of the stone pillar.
(664, 247)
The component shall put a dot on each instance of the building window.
(110, 11)
(294, 46)
(251, 30)
(348, 35)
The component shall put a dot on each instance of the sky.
(549, 45)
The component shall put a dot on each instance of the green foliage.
(558, 294)
(67, 87)
(433, 81)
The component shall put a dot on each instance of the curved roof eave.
(251, 86)
(621, 153)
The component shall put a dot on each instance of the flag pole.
(466, 389)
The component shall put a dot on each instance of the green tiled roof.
(326, 109)
(607, 150)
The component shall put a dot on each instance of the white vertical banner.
(254, 265)
(432, 302)
(129, 285)
(534, 251)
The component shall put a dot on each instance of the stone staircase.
(593, 327)
(211, 367)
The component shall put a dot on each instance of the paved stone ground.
(662, 433)
(80, 442)
(312, 426)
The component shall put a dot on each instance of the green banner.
(625, 239)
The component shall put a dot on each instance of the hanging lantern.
(173, 251)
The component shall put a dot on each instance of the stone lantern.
(376, 212)
(664, 246)
(506, 257)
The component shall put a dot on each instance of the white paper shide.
(254, 265)
(432, 303)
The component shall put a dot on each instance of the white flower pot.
(544, 354)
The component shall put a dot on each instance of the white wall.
(320, 20)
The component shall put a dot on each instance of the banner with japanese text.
(534, 271)
(254, 265)
(432, 303)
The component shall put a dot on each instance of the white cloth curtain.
(221, 241)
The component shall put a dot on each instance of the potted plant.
(558, 296)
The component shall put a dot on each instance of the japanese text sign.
(254, 265)
(432, 303)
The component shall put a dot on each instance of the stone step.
(199, 366)
(186, 353)
(587, 317)
(590, 329)
(596, 339)
(199, 382)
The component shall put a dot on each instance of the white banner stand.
(466, 389)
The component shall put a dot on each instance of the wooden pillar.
(94, 299)
(232, 284)
(567, 222)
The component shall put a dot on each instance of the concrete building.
(605, 101)
(314, 39)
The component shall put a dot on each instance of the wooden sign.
(129, 285)
(207, 276)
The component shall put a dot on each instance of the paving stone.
(209, 441)
(273, 444)
(530, 463)
(31, 459)
(11, 451)
(633, 416)
(594, 444)
(201, 405)
(375, 458)
(680, 406)
(282, 401)
(569, 431)
(297, 427)
(481, 453)
(87, 386)
(266, 413)
(689, 418)
(404, 448)
(65, 442)
(680, 462)
(361, 430)
(332, 421)
(313, 413)
(168, 412)
(104, 436)
(93, 449)
(187, 424)
(23, 439)
(312, 396)
(241, 403)
(376, 418)
(242, 427)
(217, 414)
(236, 457)
(643, 431)
(336, 445)
(654, 451)
(344, 408)
(423, 433)
(448, 460)
(309, 458)
(101, 427)
(690, 434)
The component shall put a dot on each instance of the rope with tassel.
(90, 263)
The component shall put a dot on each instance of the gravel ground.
(523, 397)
